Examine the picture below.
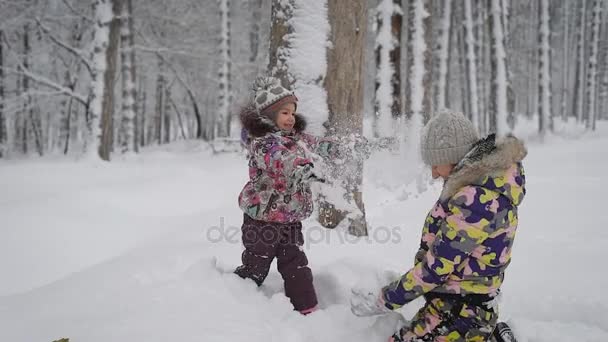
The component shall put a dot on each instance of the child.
(466, 239)
(278, 197)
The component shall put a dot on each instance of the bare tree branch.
(75, 11)
(41, 79)
(76, 52)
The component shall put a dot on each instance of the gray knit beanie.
(447, 138)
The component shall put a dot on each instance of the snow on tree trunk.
(3, 124)
(418, 104)
(344, 85)
(444, 45)
(28, 106)
(471, 63)
(297, 55)
(544, 72)
(498, 98)
(166, 116)
(388, 61)
(281, 31)
(159, 107)
(592, 69)
(127, 57)
(107, 113)
(224, 75)
(579, 86)
(565, 62)
(103, 17)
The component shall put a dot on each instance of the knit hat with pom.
(269, 96)
(447, 138)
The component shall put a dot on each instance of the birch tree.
(388, 61)
(498, 91)
(103, 17)
(592, 68)
(128, 135)
(225, 72)
(419, 90)
(471, 63)
(3, 126)
(544, 65)
(444, 53)
(579, 85)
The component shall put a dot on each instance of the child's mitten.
(367, 303)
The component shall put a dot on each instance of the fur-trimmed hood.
(489, 160)
(259, 125)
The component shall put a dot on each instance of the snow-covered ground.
(132, 251)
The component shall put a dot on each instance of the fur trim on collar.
(259, 125)
(499, 157)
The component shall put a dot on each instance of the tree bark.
(107, 117)
(471, 64)
(344, 86)
(3, 127)
(444, 54)
(129, 94)
(498, 110)
(282, 12)
(544, 69)
(419, 80)
(388, 100)
(225, 72)
(592, 69)
(579, 85)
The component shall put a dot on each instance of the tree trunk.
(565, 61)
(498, 110)
(225, 72)
(107, 118)
(592, 69)
(544, 69)
(166, 115)
(388, 66)
(419, 82)
(579, 85)
(142, 121)
(344, 86)
(159, 107)
(282, 12)
(28, 107)
(444, 54)
(471, 64)
(3, 126)
(129, 95)
(254, 35)
(97, 89)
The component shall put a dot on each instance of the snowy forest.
(112, 76)
(131, 177)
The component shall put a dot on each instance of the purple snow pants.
(263, 242)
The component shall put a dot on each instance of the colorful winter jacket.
(278, 189)
(468, 235)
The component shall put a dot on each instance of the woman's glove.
(366, 303)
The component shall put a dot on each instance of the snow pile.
(143, 249)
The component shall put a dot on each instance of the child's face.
(442, 171)
(286, 118)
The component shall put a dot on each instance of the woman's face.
(286, 118)
(442, 171)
